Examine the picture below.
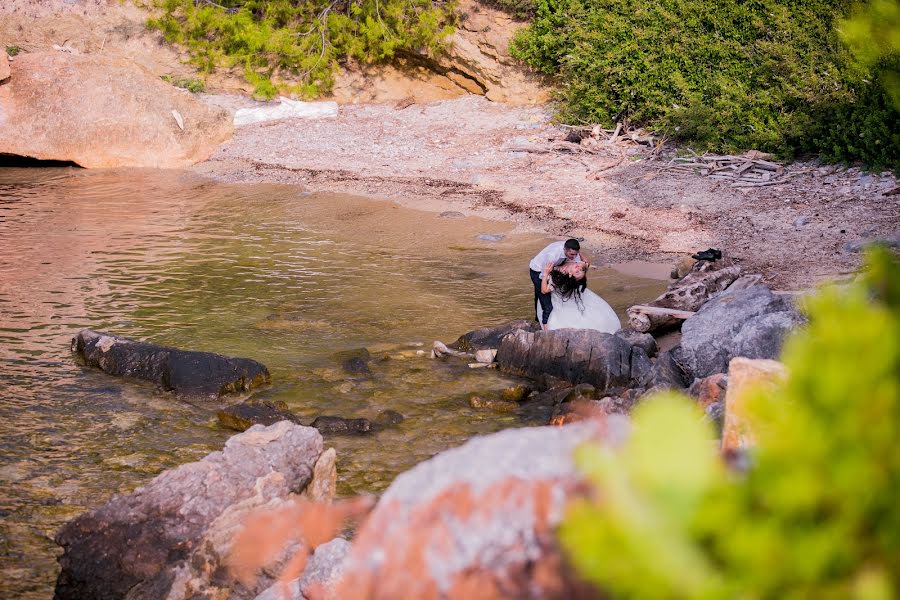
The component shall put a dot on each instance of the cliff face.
(477, 61)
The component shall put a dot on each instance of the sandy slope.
(466, 153)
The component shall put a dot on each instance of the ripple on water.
(260, 271)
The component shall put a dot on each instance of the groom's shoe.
(712, 255)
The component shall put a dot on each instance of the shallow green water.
(265, 272)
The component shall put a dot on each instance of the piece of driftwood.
(685, 296)
(644, 318)
(750, 169)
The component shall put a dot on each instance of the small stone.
(491, 237)
(451, 214)
(516, 393)
(485, 356)
(486, 402)
(853, 246)
(801, 221)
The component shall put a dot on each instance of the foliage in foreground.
(817, 515)
(728, 75)
(873, 34)
(289, 46)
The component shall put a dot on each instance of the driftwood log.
(684, 297)
(646, 318)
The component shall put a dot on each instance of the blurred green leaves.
(818, 513)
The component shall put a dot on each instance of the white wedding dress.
(591, 313)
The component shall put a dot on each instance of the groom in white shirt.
(556, 253)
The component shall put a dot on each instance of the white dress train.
(591, 313)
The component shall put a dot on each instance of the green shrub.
(818, 513)
(518, 9)
(12, 50)
(289, 46)
(727, 75)
(866, 130)
(190, 84)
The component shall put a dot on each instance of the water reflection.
(261, 271)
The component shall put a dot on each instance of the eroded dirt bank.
(471, 154)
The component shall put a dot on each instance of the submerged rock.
(330, 424)
(169, 537)
(751, 322)
(245, 415)
(388, 418)
(186, 372)
(356, 361)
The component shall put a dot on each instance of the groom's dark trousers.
(545, 299)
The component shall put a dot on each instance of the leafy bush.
(195, 86)
(289, 46)
(12, 50)
(726, 75)
(518, 9)
(818, 513)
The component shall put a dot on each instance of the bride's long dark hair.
(568, 287)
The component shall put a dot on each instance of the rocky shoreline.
(192, 531)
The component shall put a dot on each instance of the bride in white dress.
(575, 306)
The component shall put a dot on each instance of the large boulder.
(186, 372)
(168, 538)
(476, 521)
(606, 361)
(322, 571)
(103, 112)
(750, 322)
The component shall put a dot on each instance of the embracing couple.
(561, 297)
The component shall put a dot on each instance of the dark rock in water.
(644, 341)
(752, 323)
(171, 535)
(245, 415)
(492, 402)
(355, 361)
(357, 365)
(388, 418)
(330, 425)
(667, 373)
(185, 372)
(517, 393)
(574, 355)
(539, 407)
(490, 337)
